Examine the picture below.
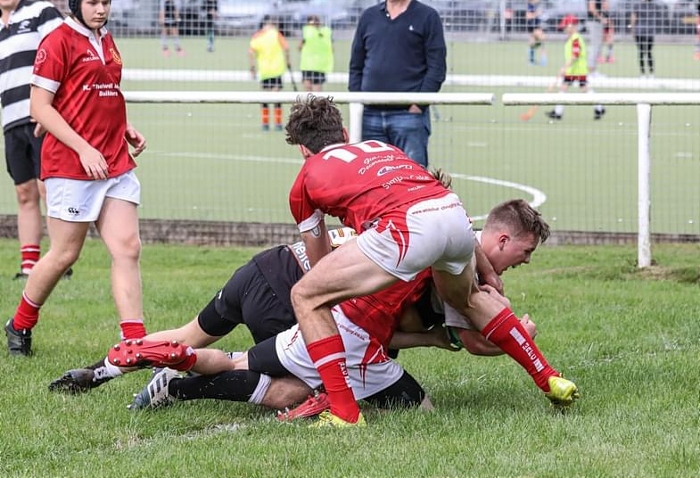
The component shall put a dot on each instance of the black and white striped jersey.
(19, 40)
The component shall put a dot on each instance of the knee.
(64, 258)
(300, 298)
(28, 194)
(128, 249)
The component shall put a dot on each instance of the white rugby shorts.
(370, 370)
(76, 200)
(437, 233)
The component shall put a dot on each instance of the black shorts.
(169, 22)
(23, 153)
(271, 83)
(247, 299)
(533, 25)
(315, 77)
(582, 80)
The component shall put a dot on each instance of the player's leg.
(164, 41)
(276, 85)
(118, 225)
(539, 43)
(650, 55)
(348, 273)
(317, 81)
(175, 34)
(167, 387)
(640, 53)
(499, 325)
(610, 42)
(595, 30)
(67, 238)
(404, 393)
(22, 152)
(532, 41)
(558, 112)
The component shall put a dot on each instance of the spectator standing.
(645, 14)
(169, 20)
(211, 11)
(268, 55)
(86, 166)
(316, 49)
(598, 19)
(608, 43)
(399, 46)
(534, 27)
(24, 24)
(575, 69)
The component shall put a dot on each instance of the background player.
(534, 27)
(575, 69)
(86, 165)
(24, 25)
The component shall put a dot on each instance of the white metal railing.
(644, 102)
(356, 102)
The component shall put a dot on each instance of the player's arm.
(485, 270)
(252, 60)
(411, 333)
(135, 139)
(317, 242)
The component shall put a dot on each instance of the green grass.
(628, 338)
(212, 162)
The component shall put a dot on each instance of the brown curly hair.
(315, 122)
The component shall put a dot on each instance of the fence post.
(643, 179)
(356, 110)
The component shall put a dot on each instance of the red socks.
(506, 332)
(328, 356)
(30, 255)
(132, 329)
(27, 314)
(278, 116)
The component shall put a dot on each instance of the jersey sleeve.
(305, 212)
(51, 63)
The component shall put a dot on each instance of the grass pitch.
(628, 338)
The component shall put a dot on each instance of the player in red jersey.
(511, 233)
(85, 164)
(407, 221)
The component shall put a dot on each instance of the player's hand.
(562, 72)
(135, 139)
(495, 294)
(440, 339)
(94, 163)
(39, 130)
(529, 326)
(415, 109)
(490, 278)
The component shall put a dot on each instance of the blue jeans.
(407, 131)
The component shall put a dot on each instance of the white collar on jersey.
(83, 30)
(333, 146)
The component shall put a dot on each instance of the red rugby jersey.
(84, 73)
(358, 183)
